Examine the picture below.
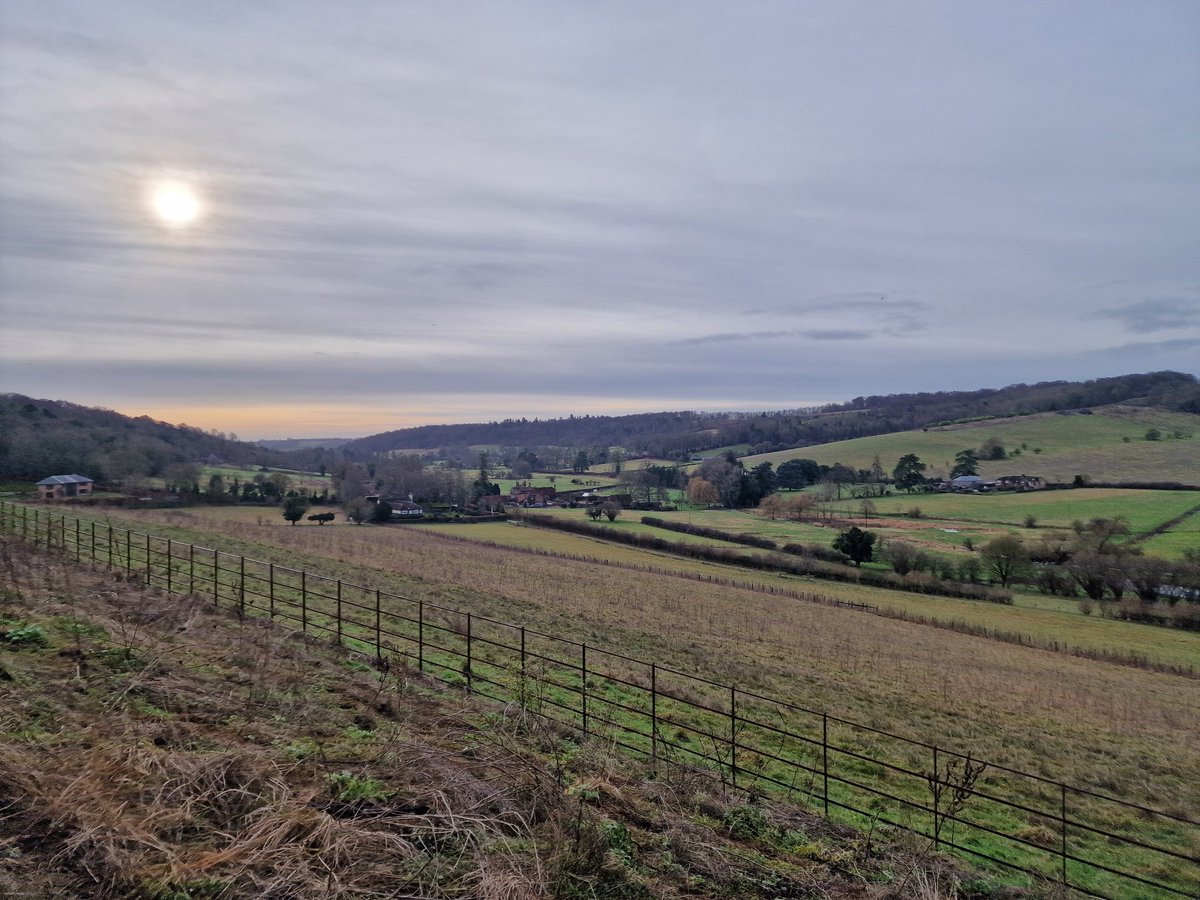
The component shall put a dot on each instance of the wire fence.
(1037, 829)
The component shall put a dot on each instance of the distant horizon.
(219, 418)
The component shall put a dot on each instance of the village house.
(532, 496)
(405, 509)
(61, 487)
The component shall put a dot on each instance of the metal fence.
(1037, 829)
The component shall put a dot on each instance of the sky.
(390, 214)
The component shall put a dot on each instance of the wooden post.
(654, 717)
(470, 672)
(339, 612)
(825, 759)
(1063, 823)
(523, 667)
(303, 601)
(583, 686)
(420, 635)
(170, 556)
(271, 581)
(733, 735)
(937, 779)
(378, 630)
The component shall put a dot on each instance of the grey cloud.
(816, 334)
(1156, 314)
(548, 177)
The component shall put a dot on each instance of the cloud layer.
(464, 211)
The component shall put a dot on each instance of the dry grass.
(155, 747)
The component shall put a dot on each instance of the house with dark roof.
(405, 509)
(61, 487)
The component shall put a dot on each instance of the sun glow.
(175, 203)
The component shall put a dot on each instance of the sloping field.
(1041, 619)
(154, 746)
(1143, 510)
(1091, 445)
(1112, 729)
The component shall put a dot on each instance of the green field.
(308, 481)
(1143, 510)
(1107, 446)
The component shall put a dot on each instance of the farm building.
(60, 487)
(967, 483)
(405, 509)
(527, 496)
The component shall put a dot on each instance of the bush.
(22, 635)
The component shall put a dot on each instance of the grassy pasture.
(1144, 510)
(1181, 537)
(309, 481)
(1116, 729)
(1070, 445)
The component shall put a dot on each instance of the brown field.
(1115, 728)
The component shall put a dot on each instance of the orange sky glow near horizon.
(253, 422)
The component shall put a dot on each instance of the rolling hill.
(1106, 445)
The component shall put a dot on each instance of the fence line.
(1041, 828)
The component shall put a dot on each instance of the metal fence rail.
(1000, 817)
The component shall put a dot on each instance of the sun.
(175, 203)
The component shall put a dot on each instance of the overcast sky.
(444, 212)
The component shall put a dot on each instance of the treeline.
(52, 437)
(677, 435)
(779, 562)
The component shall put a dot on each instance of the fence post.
(79, 540)
(654, 718)
(583, 686)
(470, 687)
(148, 571)
(170, 559)
(128, 553)
(935, 786)
(93, 540)
(378, 630)
(271, 590)
(242, 584)
(110, 546)
(303, 602)
(420, 635)
(191, 568)
(825, 760)
(733, 735)
(216, 577)
(1063, 824)
(339, 612)
(522, 670)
